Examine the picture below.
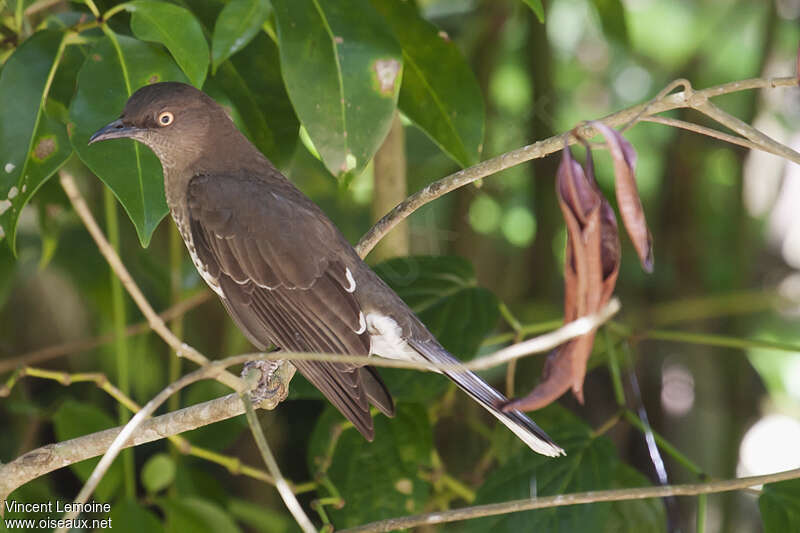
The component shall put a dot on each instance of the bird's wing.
(276, 260)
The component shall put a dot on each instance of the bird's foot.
(272, 386)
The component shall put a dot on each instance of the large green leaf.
(443, 292)
(129, 516)
(439, 92)
(780, 506)
(590, 464)
(378, 479)
(115, 68)
(342, 69)
(252, 81)
(260, 518)
(633, 516)
(177, 29)
(73, 419)
(237, 24)
(32, 145)
(196, 515)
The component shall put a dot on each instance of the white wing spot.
(13, 192)
(350, 280)
(386, 339)
(9, 168)
(362, 323)
(4, 205)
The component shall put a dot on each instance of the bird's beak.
(115, 130)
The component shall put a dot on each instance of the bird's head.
(173, 119)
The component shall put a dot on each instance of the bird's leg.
(272, 386)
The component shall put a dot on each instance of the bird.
(284, 272)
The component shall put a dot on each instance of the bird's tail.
(492, 400)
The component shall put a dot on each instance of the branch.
(577, 498)
(210, 371)
(683, 99)
(51, 457)
(285, 491)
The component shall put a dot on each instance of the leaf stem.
(280, 483)
(613, 368)
(663, 444)
(92, 7)
(702, 505)
(119, 318)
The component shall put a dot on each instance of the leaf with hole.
(342, 73)
(440, 93)
(33, 146)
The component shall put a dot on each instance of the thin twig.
(708, 132)
(41, 461)
(83, 345)
(548, 341)
(156, 323)
(577, 498)
(285, 491)
(553, 144)
(232, 464)
(208, 371)
(763, 141)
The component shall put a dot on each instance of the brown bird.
(282, 269)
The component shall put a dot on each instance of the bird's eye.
(165, 118)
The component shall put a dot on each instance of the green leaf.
(590, 464)
(115, 68)
(237, 24)
(443, 292)
(158, 472)
(633, 516)
(252, 81)
(74, 419)
(177, 29)
(378, 479)
(780, 506)
(342, 69)
(196, 515)
(129, 516)
(537, 7)
(260, 518)
(32, 145)
(440, 93)
(612, 18)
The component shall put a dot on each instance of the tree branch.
(572, 499)
(41, 461)
(683, 99)
(209, 371)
